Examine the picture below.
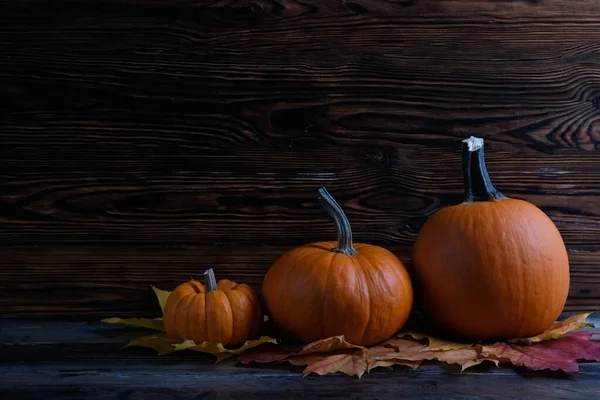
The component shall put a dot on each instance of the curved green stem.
(478, 185)
(210, 282)
(344, 232)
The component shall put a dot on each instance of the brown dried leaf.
(329, 345)
(436, 344)
(558, 329)
(558, 354)
(349, 362)
(381, 356)
(219, 351)
(412, 350)
(325, 356)
(267, 353)
(280, 353)
(156, 323)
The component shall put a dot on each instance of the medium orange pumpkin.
(326, 289)
(491, 267)
(223, 312)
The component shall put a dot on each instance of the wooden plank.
(34, 332)
(228, 11)
(192, 380)
(261, 196)
(197, 381)
(102, 281)
(76, 360)
(511, 76)
(241, 198)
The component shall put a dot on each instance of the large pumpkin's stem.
(209, 280)
(478, 185)
(344, 233)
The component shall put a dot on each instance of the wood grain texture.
(101, 281)
(76, 360)
(387, 193)
(209, 125)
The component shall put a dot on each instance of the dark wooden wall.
(144, 141)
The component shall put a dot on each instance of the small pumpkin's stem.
(344, 232)
(478, 185)
(209, 280)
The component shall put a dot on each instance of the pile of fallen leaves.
(561, 347)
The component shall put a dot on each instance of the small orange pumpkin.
(491, 267)
(224, 312)
(326, 289)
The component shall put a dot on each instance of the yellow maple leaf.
(161, 343)
(164, 344)
(162, 296)
(156, 323)
(150, 323)
(558, 329)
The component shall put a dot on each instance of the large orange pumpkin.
(491, 267)
(223, 312)
(326, 289)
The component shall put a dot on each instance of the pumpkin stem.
(209, 280)
(478, 185)
(344, 233)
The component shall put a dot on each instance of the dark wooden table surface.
(83, 360)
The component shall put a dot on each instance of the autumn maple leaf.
(383, 356)
(322, 357)
(558, 329)
(435, 343)
(349, 362)
(557, 348)
(406, 351)
(557, 354)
